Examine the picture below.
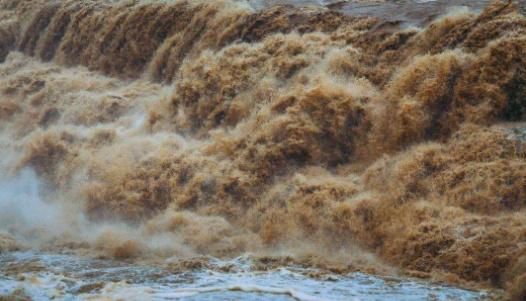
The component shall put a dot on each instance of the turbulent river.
(262, 150)
(67, 277)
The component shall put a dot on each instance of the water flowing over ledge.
(143, 130)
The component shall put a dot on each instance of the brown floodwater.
(379, 138)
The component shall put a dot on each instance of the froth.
(177, 128)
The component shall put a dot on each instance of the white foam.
(138, 283)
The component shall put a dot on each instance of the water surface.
(68, 277)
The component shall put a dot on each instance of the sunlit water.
(67, 277)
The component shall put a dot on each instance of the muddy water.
(380, 136)
(67, 277)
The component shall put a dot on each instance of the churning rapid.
(139, 130)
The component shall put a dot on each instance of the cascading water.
(336, 138)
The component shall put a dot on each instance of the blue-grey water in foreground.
(68, 277)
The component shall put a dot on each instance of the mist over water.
(21, 206)
(385, 138)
